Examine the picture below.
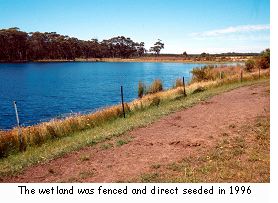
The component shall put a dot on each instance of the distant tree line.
(17, 45)
(228, 54)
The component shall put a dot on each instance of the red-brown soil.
(172, 138)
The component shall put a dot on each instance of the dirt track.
(181, 134)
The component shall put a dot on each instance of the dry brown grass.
(165, 59)
(211, 72)
(179, 83)
(155, 87)
(174, 93)
(56, 128)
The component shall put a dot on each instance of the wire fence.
(121, 100)
(26, 123)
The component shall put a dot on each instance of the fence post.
(220, 75)
(183, 83)
(122, 96)
(241, 75)
(19, 129)
(259, 72)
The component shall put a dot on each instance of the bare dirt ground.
(182, 134)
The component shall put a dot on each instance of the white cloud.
(230, 30)
(244, 38)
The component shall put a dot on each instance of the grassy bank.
(142, 112)
(57, 128)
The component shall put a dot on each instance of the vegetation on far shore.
(20, 46)
(17, 45)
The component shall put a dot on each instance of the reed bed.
(179, 83)
(211, 72)
(57, 128)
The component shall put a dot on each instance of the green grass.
(52, 149)
(87, 174)
(121, 142)
(174, 167)
(149, 177)
(106, 146)
(155, 166)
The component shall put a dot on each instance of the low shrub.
(263, 62)
(249, 65)
(222, 75)
(155, 101)
(138, 107)
(264, 59)
(204, 73)
(8, 142)
(199, 89)
(179, 83)
(156, 86)
(141, 89)
(212, 73)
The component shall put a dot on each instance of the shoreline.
(47, 150)
(130, 60)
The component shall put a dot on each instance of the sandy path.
(170, 139)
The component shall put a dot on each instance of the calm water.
(47, 90)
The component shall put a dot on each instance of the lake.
(48, 90)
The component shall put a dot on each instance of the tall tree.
(157, 47)
(185, 54)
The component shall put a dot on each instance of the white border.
(260, 192)
(273, 99)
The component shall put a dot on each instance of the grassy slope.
(56, 148)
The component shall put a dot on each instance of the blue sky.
(193, 26)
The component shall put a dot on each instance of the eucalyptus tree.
(157, 47)
(16, 45)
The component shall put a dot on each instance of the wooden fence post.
(220, 75)
(122, 96)
(183, 83)
(19, 129)
(241, 73)
(259, 72)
